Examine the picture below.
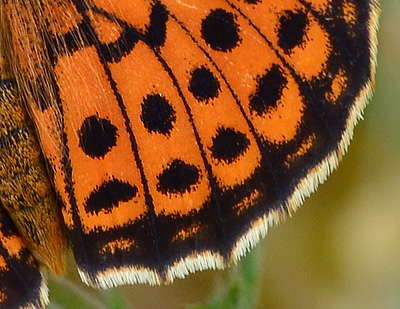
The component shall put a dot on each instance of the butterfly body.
(177, 132)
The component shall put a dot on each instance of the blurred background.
(340, 250)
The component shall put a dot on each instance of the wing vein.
(214, 187)
(134, 145)
(260, 146)
(306, 91)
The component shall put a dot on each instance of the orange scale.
(236, 172)
(86, 95)
(338, 87)
(350, 13)
(191, 12)
(280, 124)
(3, 267)
(222, 111)
(245, 62)
(50, 142)
(24, 41)
(136, 81)
(264, 14)
(135, 13)
(106, 30)
(181, 203)
(321, 6)
(62, 16)
(221, 114)
(310, 58)
(13, 244)
(241, 74)
(125, 213)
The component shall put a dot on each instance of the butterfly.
(159, 138)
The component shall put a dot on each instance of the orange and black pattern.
(29, 217)
(176, 132)
(21, 284)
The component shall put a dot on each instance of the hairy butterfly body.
(175, 132)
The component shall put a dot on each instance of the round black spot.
(97, 136)
(108, 195)
(269, 91)
(229, 145)
(203, 84)
(220, 30)
(178, 177)
(292, 30)
(158, 116)
(252, 1)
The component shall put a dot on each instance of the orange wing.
(179, 131)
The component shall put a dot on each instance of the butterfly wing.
(179, 131)
(21, 283)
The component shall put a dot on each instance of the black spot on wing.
(269, 90)
(292, 30)
(108, 195)
(203, 84)
(178, 177)
(97, 136)
(158, 116)
(156, 33)
(220, 30)
(229, 144)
